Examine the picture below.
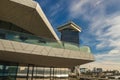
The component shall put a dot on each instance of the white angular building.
(28, 41)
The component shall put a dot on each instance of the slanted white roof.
(28, 15)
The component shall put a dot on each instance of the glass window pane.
(1, 70)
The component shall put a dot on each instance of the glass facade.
(70, 35)
(12, 27)
(10, 71)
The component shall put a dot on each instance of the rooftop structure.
(70, 33)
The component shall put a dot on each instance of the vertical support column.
(36, 71)
(50, 73)
(69, 73)
(32, 72)
(16, 70)
(43, 73)
(53, 74)
(27, 72)
(60, 73)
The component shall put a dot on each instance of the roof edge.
(72, 24)
(49, 26)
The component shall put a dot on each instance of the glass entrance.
(8, 72)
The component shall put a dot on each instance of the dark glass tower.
(70, 32)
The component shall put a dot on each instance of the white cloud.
(110, 37)
(55, 9)
(114, 52)
(86, 8)
(78, 7)
(98, 2)
(109, 58)
(106, 27)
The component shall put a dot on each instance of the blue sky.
(99, 20)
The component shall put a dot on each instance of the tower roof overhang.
(70, 25)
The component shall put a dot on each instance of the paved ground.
(49, 79)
